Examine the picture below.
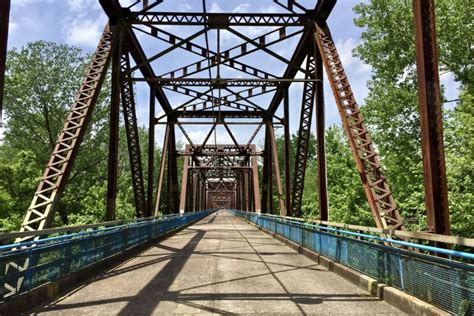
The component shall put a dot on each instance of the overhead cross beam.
(320, 14)
(114, 11)
(219, 20)
(204, 52)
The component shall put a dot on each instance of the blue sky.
(80, 23)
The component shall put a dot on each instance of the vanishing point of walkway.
(224, 265)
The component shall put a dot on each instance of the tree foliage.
(43, 77)
(391, 108)
(41, 82)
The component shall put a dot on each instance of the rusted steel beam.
(304, 135)
(234, 52)
(247, 186)
(114, 11)
(287, 140)
(265, 173)
(172, 185)
(222, 82)
(200, 50)
(184, 184)
(276, 165)
(133, 140)
(4, 21)
(114, 131)
(164, 154)
(220, 20)
(41, 211)
(429, 95)
(167, 51)
(379, 196)
(220, 114)
(52, 184)
(320, 14)
(320, 138)
(151, 153)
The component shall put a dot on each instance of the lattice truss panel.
(208, 96)
(62, 158)
(378, 192)
(40, 212)
(304, 133)
(131, 127)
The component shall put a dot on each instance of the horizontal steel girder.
(219, 20)
(223, 82)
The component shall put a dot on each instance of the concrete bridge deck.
(221, 264)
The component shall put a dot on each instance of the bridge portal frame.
(119, 43)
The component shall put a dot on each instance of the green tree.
(391, 108)
(41, 83)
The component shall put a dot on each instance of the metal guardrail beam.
(452, 240)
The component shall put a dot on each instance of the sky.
(80, 23)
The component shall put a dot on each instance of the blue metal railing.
(445, 283)
(49, 259)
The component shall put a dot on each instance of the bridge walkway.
(221, 264)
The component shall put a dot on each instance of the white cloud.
(344, 48)
(82, 5)
(215, 8)
(184, 7)
(127, 3)
(84, 32)
(451, 87)
(198, 137)
(242, 8)
(22, 3)
(12, 27)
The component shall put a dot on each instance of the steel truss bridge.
(223, 87)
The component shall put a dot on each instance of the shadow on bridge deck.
(219, 265)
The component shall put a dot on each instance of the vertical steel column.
(161, 176)
(265, 174)
(320, 129)
(239, 201)
(133, 139)
(195, 188)
(304, 135)
(4, 20)
(268, 152)
(429, 94)
(286, 110)
(255, 182)
(247, 189)
(151, 153)
(184, 183)
(114, 129)
(173, 194)
(276, 165)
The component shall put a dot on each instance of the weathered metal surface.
(151, 153)
(114, 122)
(320, 141)
(4, 23)
(41, 211)
(429, 93)
(304, 133)
(133, 141)
(220, 20)
(377, 190)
